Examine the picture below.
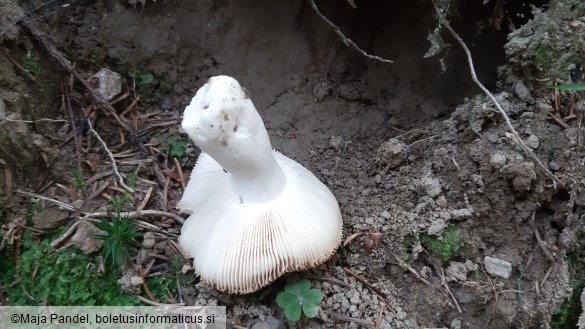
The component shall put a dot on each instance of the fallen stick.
(86, 214)
(372, 288)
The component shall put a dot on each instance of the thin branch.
(511, 128)
(86, 214)
(444, 283)
(375, 290)
(34, 121)
(136, 214)
(114, 166)
(345, 39)
(404, 265)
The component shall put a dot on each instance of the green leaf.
(312, 296)
(310, 311)
(293, 312)
(570, 86)
(298, 287)
(145, 78)
(284, 299)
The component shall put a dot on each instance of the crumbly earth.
(410, 149)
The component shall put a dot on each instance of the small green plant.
(446, 247)
(79, 182)
(567, 315)
(131, 180)
(475, 275)
(299, 295)
(119, 203)
(118, 237)
(141, 79)
(177, 148)
(65, 277)
(31, 63)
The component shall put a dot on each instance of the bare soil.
(411, 149)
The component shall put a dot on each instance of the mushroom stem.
(222, 121)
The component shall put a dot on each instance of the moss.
(543, 53)
(445, 247)
(66, 277)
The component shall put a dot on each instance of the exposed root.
(511, 128)
(345, 39)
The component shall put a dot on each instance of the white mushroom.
(255, 214)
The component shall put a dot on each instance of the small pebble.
(554, 166)
(532, 141)
(166, 104)
(149, 240)
(136, 281)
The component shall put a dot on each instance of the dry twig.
(403, 264)
(511, 128)
(150, 302)
(444, 283)
(372, 288)
(129, 214)
(114, 166)
(345, 39)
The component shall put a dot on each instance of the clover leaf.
(299, 295)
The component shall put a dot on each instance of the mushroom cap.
(240, 247)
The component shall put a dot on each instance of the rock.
(522, 174)
(436, 228)
(471, 266)
(148, 241)
(336, 142)
(431, 185)
(391, 153)
(497, 267)
(442, 202)
(50, 218)
(270, 322)
(460, 214)
(126, 283)
(554, 129)
(532, 141)
(554, 166)
(186, 268)
(84, 237)
(321, 90)
(463, 297)
(166, 104)
(456, 271)
(385, 214)
(522, 91)
(107, 82)
(455, 324)
(136, 280)
(498, 160)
